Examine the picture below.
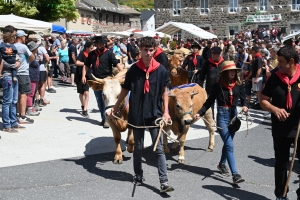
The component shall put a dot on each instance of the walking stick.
(293, 159)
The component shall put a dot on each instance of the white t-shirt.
(23, 53)
(41, 52)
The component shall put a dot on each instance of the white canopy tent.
(293, 35)
(150, 34)
(23, 23)
(174, 27)
(121, 33)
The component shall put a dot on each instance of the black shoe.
(51, 90)
(102, 123)
(42, 103)
(85, 114)
(165, 187)
(138, 179)
(223, 169)
(237, 179)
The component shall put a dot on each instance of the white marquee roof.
(172, 28)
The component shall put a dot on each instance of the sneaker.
(52, 87)
(62, 79)
(32, 112)
(138, 179)
(46, 88)
(223, 169)
(42, 103)
(237, 179)
(36, 107)
(25, 120)
(18, 127)
(46, 101)
(51, 90)
(67, 80)
(102, 123)
(106, 124)
(10, 130)
(282, 198)
(165, 187)
(85, 114)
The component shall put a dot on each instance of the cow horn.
(97, 79)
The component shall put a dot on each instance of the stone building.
(221, 16)
(99, 16)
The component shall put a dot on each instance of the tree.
(45, 10)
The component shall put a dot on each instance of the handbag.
(235, 123)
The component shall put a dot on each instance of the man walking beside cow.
(101, 62)
(147, 82)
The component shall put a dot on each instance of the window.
(114, 18)
(120, 19)
(203, 7)
(176, 7)
(124, 19)
(295, 28)
(235, 30)
(263, 5)
(100, 17)
(295, 4)
(233, 6)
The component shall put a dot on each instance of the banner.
(263, 18)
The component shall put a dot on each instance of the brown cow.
(177, 75)
(111, 87)
(184, 104)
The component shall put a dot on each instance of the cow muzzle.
(187, 121)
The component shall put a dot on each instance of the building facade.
(221, 16)
(148, 20)
(100, 16)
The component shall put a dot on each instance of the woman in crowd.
(64, 66)
(228, 90)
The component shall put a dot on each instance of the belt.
(225, 106)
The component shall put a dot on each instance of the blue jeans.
(223, 118)
(160, 154)
(9, 105)
(100, 102)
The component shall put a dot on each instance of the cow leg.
(210, 128)
(181, 150)
(130, 140)
(117, 137)
(165, 142)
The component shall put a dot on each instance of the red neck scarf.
(229, 87)
(153, 65)
(98, 53)
(285, 79)
(216, 63)
(195, 58)
(258, 55)
(85, 54)
(157, 52)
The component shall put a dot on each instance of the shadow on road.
(269, 162)
(232, 193)
(69, 110)
(82, 119)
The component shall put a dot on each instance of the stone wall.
(218, 21)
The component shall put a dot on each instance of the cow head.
(111, 88)
(175, 64)
(182, 103)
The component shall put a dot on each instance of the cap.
(20, 33)
(216, 50)
(32, 46)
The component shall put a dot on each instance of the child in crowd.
(9, 54)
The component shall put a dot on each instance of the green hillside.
(138, 4)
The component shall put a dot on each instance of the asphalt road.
(94, 176)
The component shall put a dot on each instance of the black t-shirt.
(132, 49)
(72, 49)
(81, 57)
(277, 90)
(53, 61)
(145, 106)
(107, 60)
(256, 64)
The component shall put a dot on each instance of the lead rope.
(159, 122)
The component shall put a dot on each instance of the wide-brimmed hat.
(32, 46)
(216, 50)
(195, 44)
(229, 65)
(100, 40)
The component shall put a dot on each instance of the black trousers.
(282, 147)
